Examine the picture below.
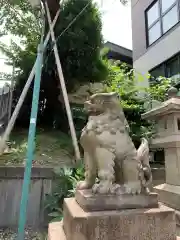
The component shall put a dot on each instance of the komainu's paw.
(117, 189)
(84, 185)
(133, 187)
(103, 187)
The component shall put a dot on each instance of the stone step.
(56, 232)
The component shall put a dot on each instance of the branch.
(21, 17)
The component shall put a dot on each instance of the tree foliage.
(123, 81)
(17, 18)
(79, 49)
(158, 89)
(64, 187)
(79, 46)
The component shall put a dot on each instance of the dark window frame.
(160, 19)
(158, 66)
(165, 63)
(170, 61)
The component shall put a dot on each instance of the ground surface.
(52, 148)
(29, 235)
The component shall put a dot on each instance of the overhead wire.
(75, 18)
(68, 26)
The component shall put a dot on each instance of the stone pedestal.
(91, 202)
(136, 224)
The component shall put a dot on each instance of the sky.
(116, 20)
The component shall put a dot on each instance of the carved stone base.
(91, 202)
(169, 195)
(56, 232)
(137, 224)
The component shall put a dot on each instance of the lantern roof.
(172, 105)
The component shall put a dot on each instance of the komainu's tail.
(145, 174)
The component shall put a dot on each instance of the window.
(153, 14)
(165, 5)
(169, 69)
(170, 19)
(173, 68)
(161, 17)
(158, 71)
(154, 33)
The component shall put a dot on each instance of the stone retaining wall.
(11, 179)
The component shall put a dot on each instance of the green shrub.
(123, 80)
(64, 187)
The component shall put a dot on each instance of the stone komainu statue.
(112, 163)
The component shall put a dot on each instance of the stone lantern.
(167, 119)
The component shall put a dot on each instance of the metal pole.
(31, 144)
(23, 95)
(63, 87)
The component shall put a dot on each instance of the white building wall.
(163, 49)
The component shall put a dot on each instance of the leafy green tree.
(19, 19)
(79, 49)
(158, 89)
(122, 81)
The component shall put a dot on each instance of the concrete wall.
(144, 59)
(138, 27)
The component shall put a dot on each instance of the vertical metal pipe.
(31, 143)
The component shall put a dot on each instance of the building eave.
(119, 49)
